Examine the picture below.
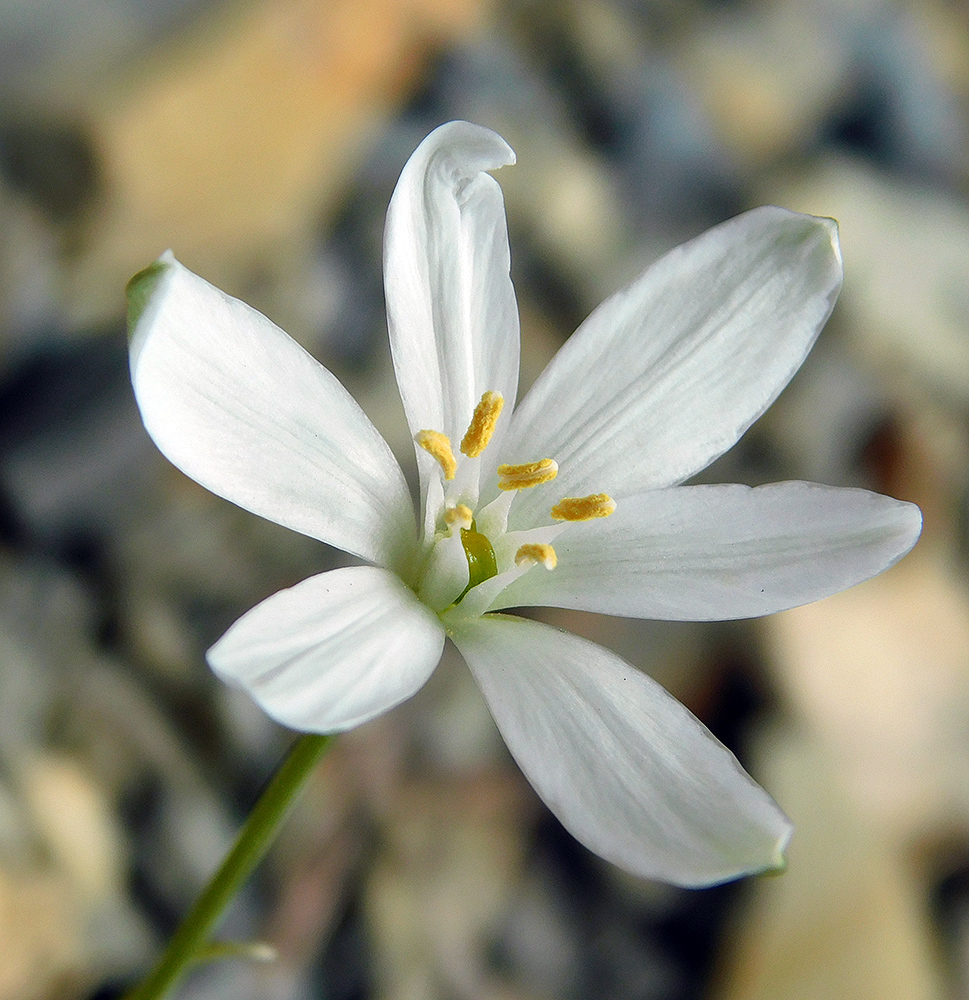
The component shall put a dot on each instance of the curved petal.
(710, 553)
(450, 303)
(240, 407)
(333, 651)
(624, 766)
(668, 373)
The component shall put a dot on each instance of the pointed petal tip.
(142, 286)
(831, 238)
(826, 221)
(810, 223)
(765, 853)
(777, 865)
(775, 870)
(769, 859)
(911, 521)
(831, 245)
(831, 224)
(625, 768)
(241, 408)
(779, 862)
(902, 523)
(483, 146)
(834, 234)
(677, 365)
(145, 289)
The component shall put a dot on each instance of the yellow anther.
(536, 552)
(584, 508)
(521, 477)
(483, 422)
(437, 445)
(460, 516)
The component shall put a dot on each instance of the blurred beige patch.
(61, 890)
(77, 824)
(451, 861)
(905, 304)
(846, 918)
(42, 953)
(873, 768)
(228, 145)
(766, 79)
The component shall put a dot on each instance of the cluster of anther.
(478, 549)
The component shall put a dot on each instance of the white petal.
(667, 374)
(333, 651)
(446, 573)
(624, 766)
(240, 407)
(450, 303)
(709, 553)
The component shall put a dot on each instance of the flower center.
(479, 543)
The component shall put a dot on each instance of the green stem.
(250, 847)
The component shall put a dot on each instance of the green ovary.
(482, 564)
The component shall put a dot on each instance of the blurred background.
(261, 139)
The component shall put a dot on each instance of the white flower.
(572, 500)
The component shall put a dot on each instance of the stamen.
(537, 552)
(460, 516)
(483, 422)
(438, 446)
(521, 477)
(584, 508)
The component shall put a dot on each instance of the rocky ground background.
(261, 140)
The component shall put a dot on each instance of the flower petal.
(668, 373)
(333, 651)
(624, 766)
(707, 553)
(241, 408)
(450, 303)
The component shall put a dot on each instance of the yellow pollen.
(460, 516)
(536, 552)
(437, 445)
(584, 508)
(483, 422)
(521, 477)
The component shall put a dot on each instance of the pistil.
(485, 547)
(460, 516)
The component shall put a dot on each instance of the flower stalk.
(191, 942)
